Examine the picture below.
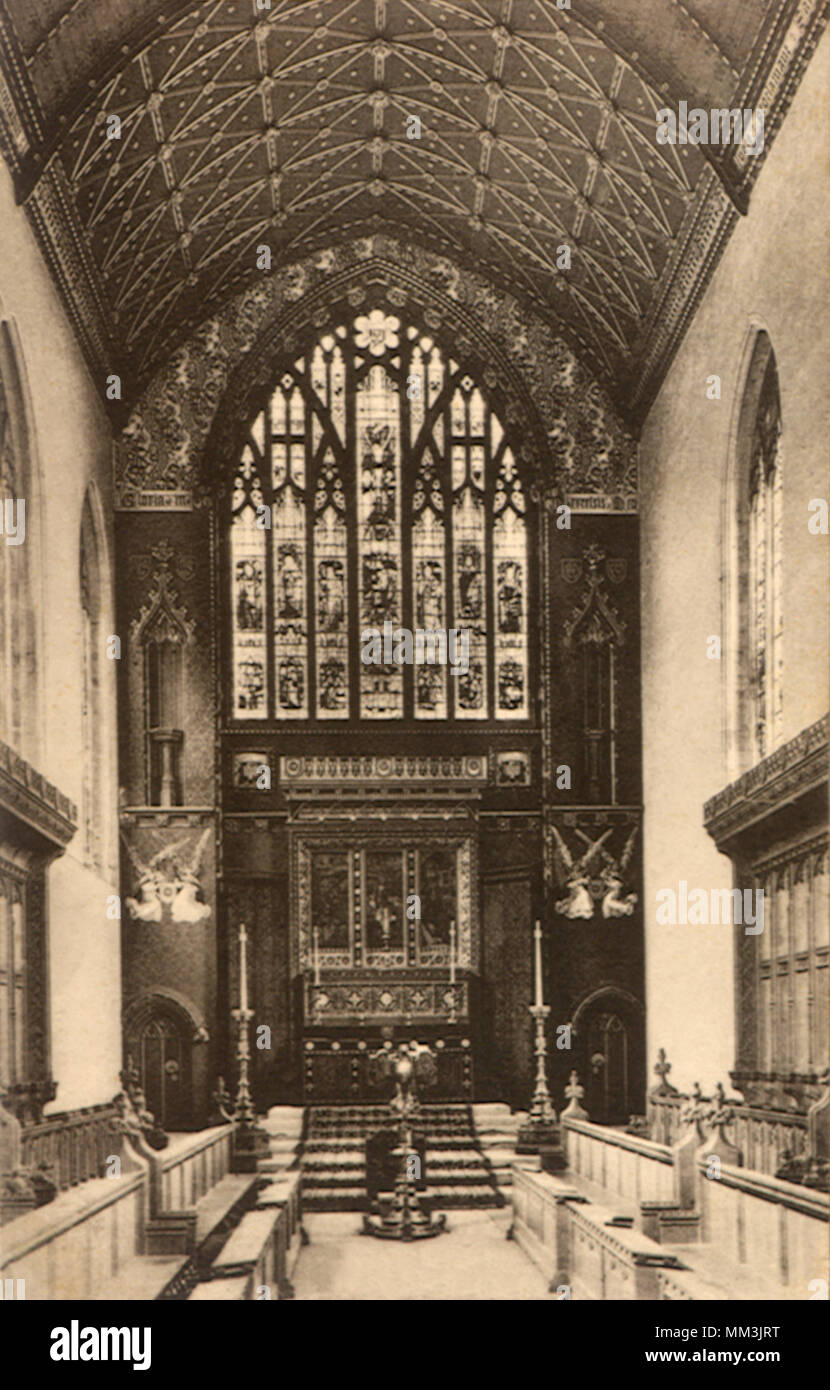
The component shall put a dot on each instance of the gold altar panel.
(383, 902)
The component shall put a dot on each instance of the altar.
(384, 915)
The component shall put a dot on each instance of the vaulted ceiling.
(494, 131)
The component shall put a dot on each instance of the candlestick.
(537, 963)
(243, 967)
(315, 937)
(452, 952)
(244, 1108)
(540, 1131)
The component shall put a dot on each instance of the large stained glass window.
(377, 493)
(765, 570)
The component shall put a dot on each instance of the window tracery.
(377, 491)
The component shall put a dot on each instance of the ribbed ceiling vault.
(289, 127)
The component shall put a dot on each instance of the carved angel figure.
(147, 905)
(574, 874)
(612, 875)
(168, 883)
(186, 906)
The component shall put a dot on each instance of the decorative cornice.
(769, 83)
(176, 816)
(771, 77)
(697, 251)
(52, 212)
(21, 121)
(789, 773)
(26, 795)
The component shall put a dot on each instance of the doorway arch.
(608, 1054)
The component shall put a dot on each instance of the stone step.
(341, 1199)
(354, 1199)
(461, 1161)
(359, 1136)
(457, 1174)
(333, 1163)
(482, 1195)
(330, 1180)
(457, 1177)
(362, 1131)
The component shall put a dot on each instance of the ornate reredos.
(568, 435)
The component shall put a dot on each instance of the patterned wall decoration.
(588, 457)
(512, 768)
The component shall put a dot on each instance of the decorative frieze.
(358, 770)
(54, 216)
(372, 1001)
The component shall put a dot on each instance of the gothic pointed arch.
(383, 484)
(753, 563)
(20, 571)
(191, 415)
(92, 657)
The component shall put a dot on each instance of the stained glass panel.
(429, 584)
(289, 560)
(331, 593)
(247, 559)
(379, 535)
(510, 590)
(469, 542)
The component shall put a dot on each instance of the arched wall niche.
(758, 356)
(21, 718)
(186, 418)
(95, 576)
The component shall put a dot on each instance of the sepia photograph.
(415, 665)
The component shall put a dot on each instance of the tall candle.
(315, 936)
(452, 952)
(243, 966)
(537, 962)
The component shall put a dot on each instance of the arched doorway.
(160, 1035)
(162, 1058)
(608, 1055)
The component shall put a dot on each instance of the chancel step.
(334, 1157)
